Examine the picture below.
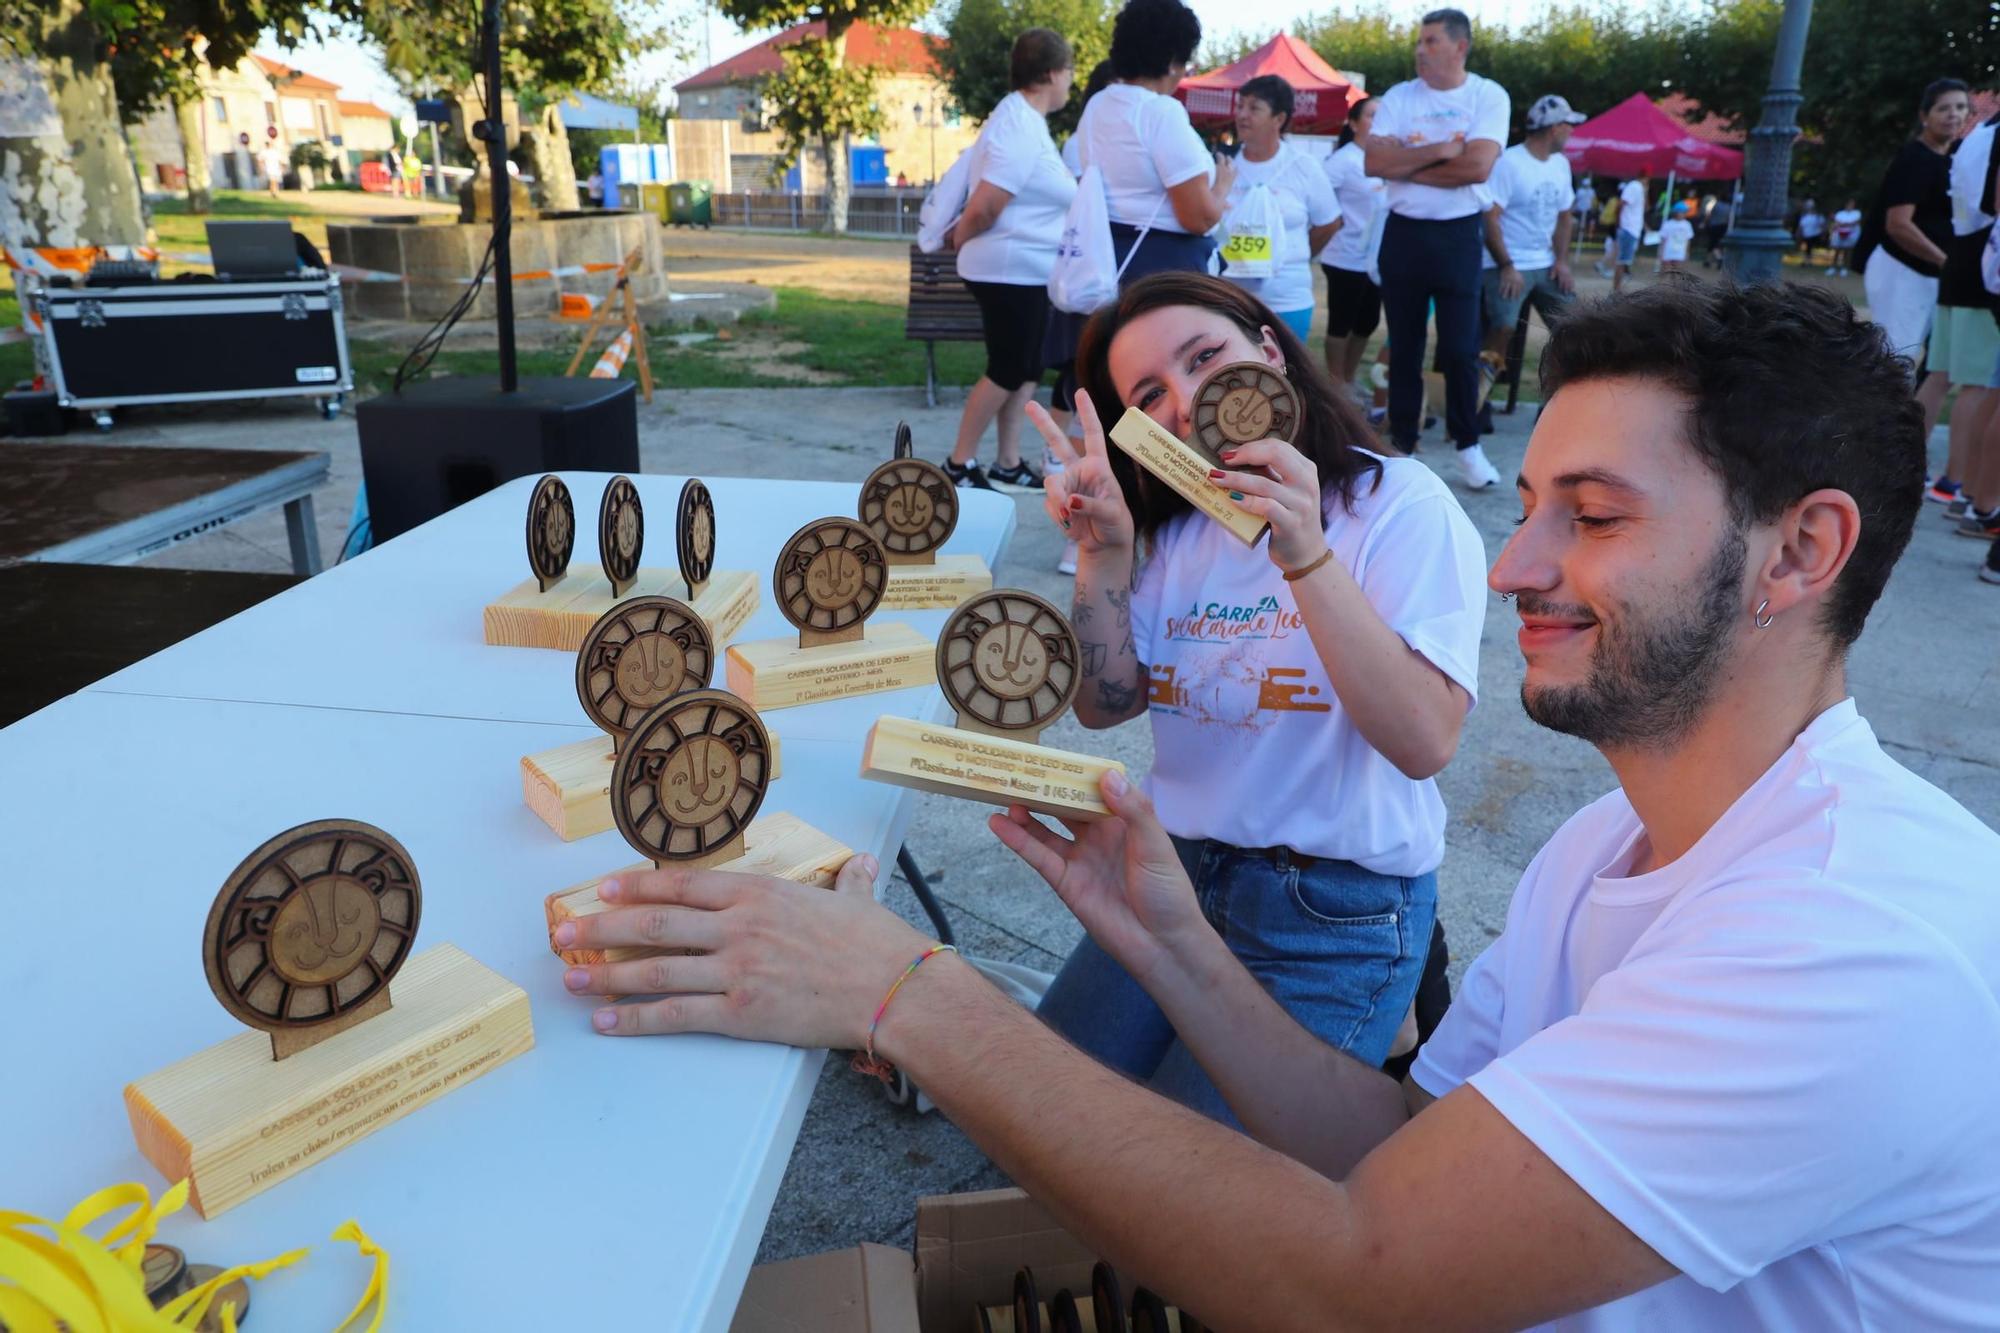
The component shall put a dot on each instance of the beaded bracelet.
(866, 1063)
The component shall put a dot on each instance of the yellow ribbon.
(377, 1291)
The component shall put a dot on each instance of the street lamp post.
(1757, 244)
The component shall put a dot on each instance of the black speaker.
(440, 443)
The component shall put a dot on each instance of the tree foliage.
(979, 37)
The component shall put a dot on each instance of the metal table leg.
(304, 536)
(925, 898)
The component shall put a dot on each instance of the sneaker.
(1067, 564)
(1474, 470)
(1976, 524)
(1941, 491)
(1019, 477)
(968, 476)
(1956, 509)
(1990, 571)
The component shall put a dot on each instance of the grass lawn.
(180, 230)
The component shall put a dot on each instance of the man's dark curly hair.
(1151, 36)
(1788, 392)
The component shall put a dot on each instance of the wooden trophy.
(302, 944)
(912, 506)
(829, 579)
(1242, 402)
(1008, 662)
(689, 781)
(640, 653)
(551, 611)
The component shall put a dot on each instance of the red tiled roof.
(365, 110)
(285, 76)
(900, 50)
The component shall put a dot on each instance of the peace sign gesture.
(1084, 498)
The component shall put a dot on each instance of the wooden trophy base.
(777, 673)
(780, 845)
(559, 618)
(938, 586)
(1185, 469)
(996, 769)
(570, 786)
(235, 1122)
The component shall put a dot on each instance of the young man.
(1724, 1069)
(1435, 140)
(1528, 228)
(1631, 227)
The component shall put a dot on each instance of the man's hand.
(1120, 875)
(779, 961)
(1512, 284)
(1451, 148)
(1565, 280)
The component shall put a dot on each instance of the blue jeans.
(1339, 947)
(1432, 265)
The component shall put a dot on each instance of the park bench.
(941, 310)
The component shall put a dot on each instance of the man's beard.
(1649, 680)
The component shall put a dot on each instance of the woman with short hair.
(1353, 301)
(1305, 213)
(1006, 242)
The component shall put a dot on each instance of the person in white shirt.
(1435, 140)
(1812, 226)
(1353, 301)
(1306, 212)
(1845, 236)
(273, 163)
(1006, 242)
(1725, 1066)
(1631, 226)
(1528, 227)
(1585, 207)
(1676, 235)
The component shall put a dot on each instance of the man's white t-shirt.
(1304, 200)
(1014, 152)
(1772, 1060)
(1675, 235)
(1237, 687)
(1414, 113)
(1143, 144)
(1632, 207)
(1531, 194)
(1358, 196)
(1968, 179)
(1586, 199)
(1812, 225)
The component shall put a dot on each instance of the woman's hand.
(1225, 175)
(1084, 498)
(1285, 494)
(781, 961)
(1120, 875)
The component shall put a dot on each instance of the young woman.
(1353, 301)
(1006, 243)
(1303, 693)
(1307, 215)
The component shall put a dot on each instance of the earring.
(1758, 617)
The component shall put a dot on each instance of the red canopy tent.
(1321, 95)
(1636, 136)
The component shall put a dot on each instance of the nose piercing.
(1758, 617)
(1506, 596)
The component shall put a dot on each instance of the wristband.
(866, 1062)
(1294, 575)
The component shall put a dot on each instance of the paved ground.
(1926, 674)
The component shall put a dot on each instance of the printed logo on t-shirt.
(1222, 677)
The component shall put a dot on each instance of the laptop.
(253, 251)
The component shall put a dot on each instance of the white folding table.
(589, 1181)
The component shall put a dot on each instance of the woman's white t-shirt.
(1769, 1059)
(1358, 196)
(1143, 144)
(1304, 200)
(1251, 745)
(1014, 152)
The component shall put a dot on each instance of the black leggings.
(1015, 316)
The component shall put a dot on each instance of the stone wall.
(436, 259)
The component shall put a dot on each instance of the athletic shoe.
(1067, 564)
(1019, 477)
(968, 477)
(1474, 470)
(1941, 491)
(1976, 524)
(1956, 509)
(1990, 571)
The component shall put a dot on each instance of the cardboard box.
(969, 1247)
(868, 1289)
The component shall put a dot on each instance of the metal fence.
(870, 212)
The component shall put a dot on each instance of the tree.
(979, 36)
(816, 97)
(67, 178)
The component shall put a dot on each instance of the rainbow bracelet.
(866, 1063)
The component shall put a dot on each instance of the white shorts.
(1902, 301)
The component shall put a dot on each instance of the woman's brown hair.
(1332, 431)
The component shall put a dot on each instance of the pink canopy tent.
(1636, 136)
(1321, 95)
